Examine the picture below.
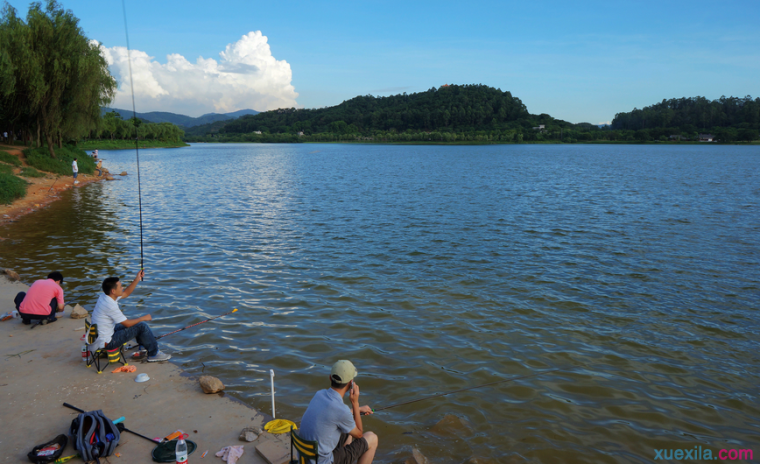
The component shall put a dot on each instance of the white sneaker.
(160, 356)
(76, 181)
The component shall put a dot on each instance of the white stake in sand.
(271, 378)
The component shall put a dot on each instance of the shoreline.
(43, 368)
(128, 145)
(588, 142)
(41, 191)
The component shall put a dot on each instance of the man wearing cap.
(336, 428)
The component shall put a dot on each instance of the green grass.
(6, 169)
(40, 158)
(6, 157)
(127, 144)
(11, 188)
(31, 172)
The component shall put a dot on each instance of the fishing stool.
(307, 450)
(93, 357)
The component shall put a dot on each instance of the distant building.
(300, 133)
(540, 127)
(257, 132)
(675, 137)
(706, 138)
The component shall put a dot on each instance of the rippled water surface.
(631, 269)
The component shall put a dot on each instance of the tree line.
(54, 82)
(728, 118)
(455, 107)
(113, 127)
(478, 113)
(53, 79)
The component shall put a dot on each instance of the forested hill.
(458, 108)
(179, 119)
(687, 115)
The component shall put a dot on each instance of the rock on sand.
(12, 275)
(211, 384)
(79, 312)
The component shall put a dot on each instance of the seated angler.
(337, 429)
(114, 329)
(42, 301)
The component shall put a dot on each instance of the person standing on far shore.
(75, 168)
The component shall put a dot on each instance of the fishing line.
(137, 145)
(188, 327)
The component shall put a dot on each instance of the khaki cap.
(343, 371)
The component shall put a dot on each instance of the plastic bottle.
(181, 451)
(84, 353)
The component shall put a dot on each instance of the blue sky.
(579, 61)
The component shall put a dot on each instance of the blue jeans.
(139, 331)
(75, 175)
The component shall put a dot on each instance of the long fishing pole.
(190, 326)
(197, 323)
(137, 145)
(461, 390)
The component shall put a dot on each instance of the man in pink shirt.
(44, 298)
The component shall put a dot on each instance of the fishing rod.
(137, 145)
(461, 390)
(189, 326)
(197, 323)
(51, 187)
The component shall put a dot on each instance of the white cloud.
(246, 76)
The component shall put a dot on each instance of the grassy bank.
(6, 157)
(39, 158)
(127, 144)
(11, 187)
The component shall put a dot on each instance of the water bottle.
(84, 353)
(181, 451)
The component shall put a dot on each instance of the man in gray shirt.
(336, 428)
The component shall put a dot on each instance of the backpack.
(94, 435)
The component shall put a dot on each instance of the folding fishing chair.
(94, 354)
(307, 450)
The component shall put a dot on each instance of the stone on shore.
(79, 312)
(211, 384)
(12, 275)
(250, 434)
(123, 173)
(109, 177)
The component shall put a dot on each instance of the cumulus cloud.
(246, 76)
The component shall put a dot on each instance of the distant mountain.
(181, 119)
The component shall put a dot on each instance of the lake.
(632, 269)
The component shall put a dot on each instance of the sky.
(577, 61)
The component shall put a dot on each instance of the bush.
(6, 157)
(30, 172)
(11, 188)
(5, 169)
(40, 158)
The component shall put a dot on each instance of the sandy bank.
(39, 194)
(42, 368)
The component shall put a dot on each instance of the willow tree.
(60, 79)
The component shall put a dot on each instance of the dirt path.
(39, 194)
